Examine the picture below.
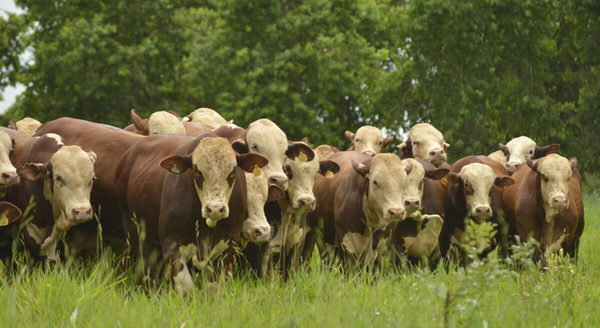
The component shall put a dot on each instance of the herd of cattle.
(200, 190)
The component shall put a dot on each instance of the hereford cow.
(474, 192)
(356, 206)
(197, 178)
(416, 237)
(520, 150)
(368, 139)
(426, 143)
(546, 204)
(60, 179)
(26, 125)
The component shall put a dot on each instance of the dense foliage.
(482, 71)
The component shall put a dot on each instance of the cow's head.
(256, 228)
(520, 150)
(68, 178)
(324, 151)
(206, 116)
(8, 173)
(213, 163)
(26, 125)
(163, 122)
(368, 139)
(265, 138)
(555, 173)
(413, 192)
(301, 170)
(426, 143)
(478, 181)
(386, 176)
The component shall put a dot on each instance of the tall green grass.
(487, 294)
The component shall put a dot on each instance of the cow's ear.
(387, 141)
(504, 149)
(573, 162)
(405, 149)
(9, 213)
(12, 124)
(533, 164)
(446, 146)
(294, 150)
(504, 181)
(454, 178)
(240, 146)
(326, 167)
(437, 174)
(249, 161)
(350, 136)
(362, 168)
(187, 118)
(305, 140)
(139, 123)
(93, 156)
(177, 164)
(541, 151)
(33, 171)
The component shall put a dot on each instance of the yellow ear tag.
(302, 157)
(329, 174)
(3, 220)
(444, 180)
(257, 171)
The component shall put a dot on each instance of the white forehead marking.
(476, 172)
(554, 165)
(162, 122)
(28, 125)
(425, 130)
(56, 138)
(214, 155)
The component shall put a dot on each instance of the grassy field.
(489, 294)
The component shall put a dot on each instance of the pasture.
(488, 294)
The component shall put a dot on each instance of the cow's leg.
(180, 271)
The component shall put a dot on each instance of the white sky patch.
(10, 93)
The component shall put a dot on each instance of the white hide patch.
(183, 279)
(163, 122)
(207, 116)
(5, 148)
(289, 236)
(425, 138)
(38, 234)
(499, 157)
(28, 125)
(520, 149)
(265, 138)
(300, 186)
(324, 151)
(257, 191)
(481, 179)
(556, 173)
(426, 240)
(414, 185)
(56, 138)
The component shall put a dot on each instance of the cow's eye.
(375, 183)
(231, 177)
(254, 147)
(357, 140)
(531, 152)
(381, 143)
(288, 171)
(545, 178)
(416, 143)
(59, 179)
(198, 178)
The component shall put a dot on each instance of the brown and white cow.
(356, 207)
(474, 192)
(416, 237)
(519, 150)
(206, 116)
(426, 143)
(368, 139)
(26, 125)
(193, 204)
(60, 178)
(546, 204)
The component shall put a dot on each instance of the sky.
(9, 93)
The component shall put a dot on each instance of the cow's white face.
(206, 116)
(384, 201)
(324, 151)
(367, 139)
(8, 173)
(520, 150)
(301, 173)
(213, 163)
(265, 138)
(555, 172)
(256, 228)
(413, 191)
(478, 181)
(68, 179)
(427, 143)
(165, 123)
(28, 125)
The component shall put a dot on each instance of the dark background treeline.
(482, 71)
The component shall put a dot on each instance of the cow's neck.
(371, 218)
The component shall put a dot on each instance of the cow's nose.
(396, 213)
(412, 203)
(262, 233)
(369, 152)
(483, 211)
(559, 201)
(511, 167)
(10, 178)
(306, 201)
(279, 180)
(437, 153)
(215, 209)
(82, 213)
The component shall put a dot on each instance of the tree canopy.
(482, 71)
